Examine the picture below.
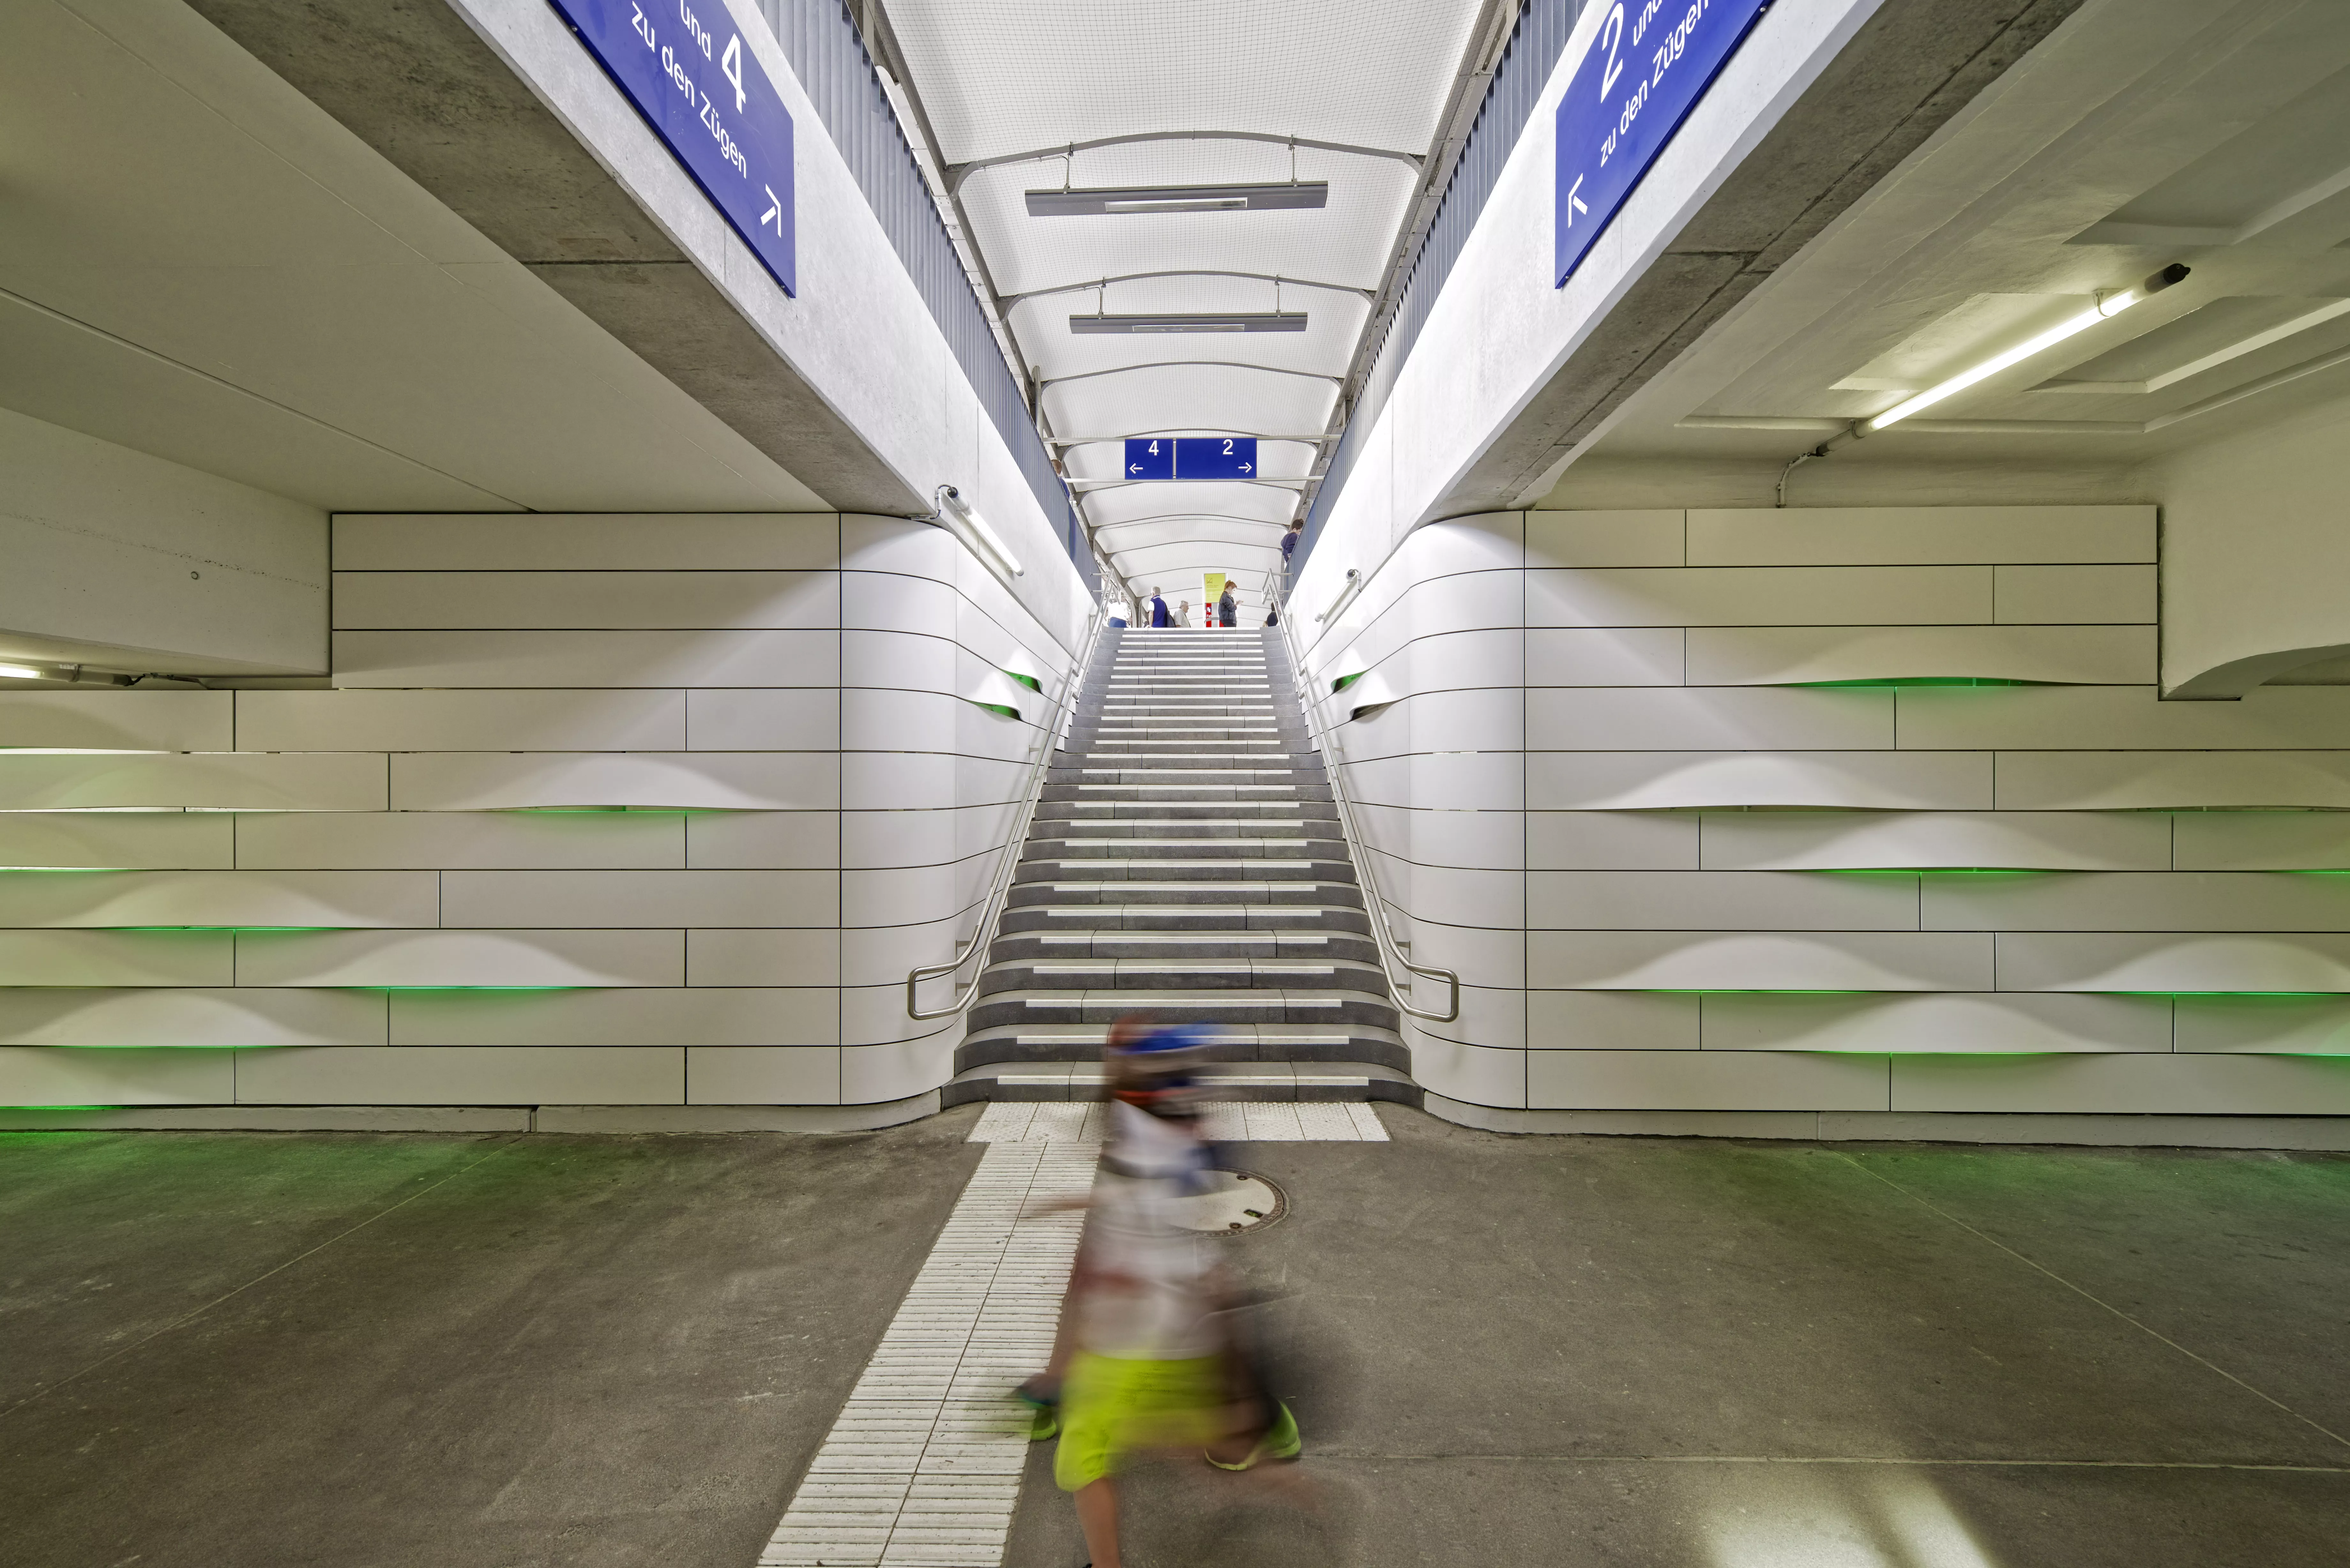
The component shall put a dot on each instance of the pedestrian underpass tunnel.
(1686, 659)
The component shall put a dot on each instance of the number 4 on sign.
(1575, 202)
(731, 62)
(775, 212)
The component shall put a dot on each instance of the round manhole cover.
(1233, 1201)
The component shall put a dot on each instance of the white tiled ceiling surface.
(1002, 77)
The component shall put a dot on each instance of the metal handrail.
(984, 934)
(1390, 952)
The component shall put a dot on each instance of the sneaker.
(1043, 1399)
(1281, 1440)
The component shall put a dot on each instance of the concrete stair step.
(1276, 829)
(1151, 914)
(1088, 811)
(1182, 973)
(1294, 846)
(1032, 1042)
(1183, 946)
(1238, 870)
(1300, 1004)
(1222, 795)
(1244, 1083)
(1189, 771)
(1071, 894)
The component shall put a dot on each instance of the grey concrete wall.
(117, 558)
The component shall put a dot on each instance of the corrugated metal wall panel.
(821, 40)
(1535, 44)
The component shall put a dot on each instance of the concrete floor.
(1615, 1350)
(453, 1352)
(487, 1352)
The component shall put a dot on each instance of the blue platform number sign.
(1149, 457)
(1191, 457)
(685, 67)
(1215, 456)
(1648, 67)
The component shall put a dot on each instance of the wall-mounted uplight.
(974, 530)
(1214, 321)
(1347, 591)
(2108, 305)
(1113, 200)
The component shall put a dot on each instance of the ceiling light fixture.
(2108, 305)
(1213, 321)
(1114, 200)
(974, 530)
(23, 673)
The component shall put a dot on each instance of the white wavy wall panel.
(1850, 809)
(602, 810)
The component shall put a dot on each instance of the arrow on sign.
(1575, 202)
(1134, 468)
(774, 212)
(1248, 468)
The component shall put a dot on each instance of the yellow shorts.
(1110, 1408)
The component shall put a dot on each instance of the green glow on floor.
(467, 988)
(2296, 995)
(605, 810)
(1934, 871)
(1918, 680)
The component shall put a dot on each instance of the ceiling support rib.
(1046, 381)
(962, 171)
(1187, 272)
(1185, 430)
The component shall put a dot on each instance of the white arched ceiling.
(1126, 537)
(1270, 504)
(1011, 91)
(1187, 395)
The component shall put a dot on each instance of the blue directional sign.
(1191, 457)
(1215, 456)
(1151, 457)
(1646, 69)
(706, 96)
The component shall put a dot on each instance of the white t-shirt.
(1156, 1305)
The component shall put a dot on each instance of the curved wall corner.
(2255, 544)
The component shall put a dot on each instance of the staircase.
(1186, 862)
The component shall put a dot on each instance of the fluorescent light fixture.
(2107, 305)
(1214, 321)
(1113, 200)
(23, 673)
(976, 531)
